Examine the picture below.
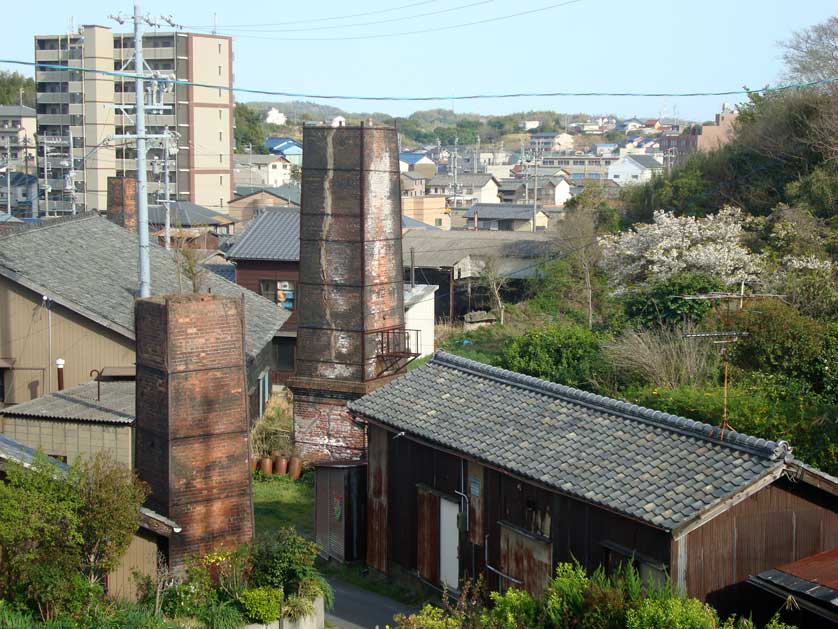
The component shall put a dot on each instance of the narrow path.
(356, 608)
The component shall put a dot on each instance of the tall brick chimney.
(122, 201)
(191, 443)
(350, 331)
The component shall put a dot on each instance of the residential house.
(191, 226)
(609, 190)
(499, 171)
(512, 191)
(250, 201)
(466, 188)
(67, 290)
(418, 163)
(548, 142)
(289, 148)
(24, 191)
(505, 217)
(427, 209)
(482, 472)
(630, 125)
(529, 125)
(634, 169)
(413, 183)
(604, 148)
(267, 259)
(551, 191)
(17, 135)
(270, 171)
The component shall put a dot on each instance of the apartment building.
(80, 110)
(580, 166)
(17, 137)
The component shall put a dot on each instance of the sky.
(582, 46)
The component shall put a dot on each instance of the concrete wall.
(430, 210)
(69, 440)
(25, 337)
(420, 316)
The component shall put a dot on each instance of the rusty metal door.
(427, 543)
(526, 558)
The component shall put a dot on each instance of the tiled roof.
(114, 406)
(499, 211)
(273, 235)
(89, 265)
(411, 158)
(412, 223)
(465, 179)
(444, 249)
(286, 192)
(186, 214)
(17, 110)
(646, 161)
(645, 464)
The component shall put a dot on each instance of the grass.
(278, 502)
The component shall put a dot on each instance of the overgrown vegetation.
(574, 599)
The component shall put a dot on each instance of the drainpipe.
(59, 367)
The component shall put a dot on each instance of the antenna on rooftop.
(725, 338)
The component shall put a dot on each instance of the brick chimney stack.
(192, 437)
(350, 331)
(122, 202)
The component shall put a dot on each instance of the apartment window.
(219, 114)
(219, 70)
(438, 222)
(219, 92)
(278, 291)
(220, 202)
(220, 158)
(220, 180)
(220, 136)
(219, 49)
(284, 353)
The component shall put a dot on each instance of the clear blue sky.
(604, 45)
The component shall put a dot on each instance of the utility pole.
(535, 191)
(8, 177)
(70, 178)
(46, 177)
(142, 183)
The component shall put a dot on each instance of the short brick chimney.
(122, 201)
(192, 438)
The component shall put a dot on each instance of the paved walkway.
(356, 608)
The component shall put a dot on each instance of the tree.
(578, 242)
(111, 496)
(249, 130)
(491, 279)
(811, 54)
(296, 175)
(672, 244)
(16, 89)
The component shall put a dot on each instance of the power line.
(434, 29)
(371, 23)
(240, 90)
(326, 19)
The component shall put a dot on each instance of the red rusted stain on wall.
(377, 511)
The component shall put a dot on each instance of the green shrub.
(565, 594)
(282, 560)
(661, 303)
(130, 616)
(672, 613)
(221, 615)
(314, 586)
(262, 604)
(297, 607)
(184, 600)
(564, 353)
(512, 609)
(11, 618)
(430, 617)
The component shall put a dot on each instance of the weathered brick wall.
(192, 430)
(122, 202)
(324, 429)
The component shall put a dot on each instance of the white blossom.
(672, 244)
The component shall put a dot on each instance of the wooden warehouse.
(477, 470)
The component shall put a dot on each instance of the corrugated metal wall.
(140, 556)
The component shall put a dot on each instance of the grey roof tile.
(648, 465)
(89, 265)
(273, 235)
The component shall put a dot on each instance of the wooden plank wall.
(782, 523)
(378, 480)
(428, 535)
(140, 556)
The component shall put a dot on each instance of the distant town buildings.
(634, 169)
(17, 137)
(548, 142)
(78, 112)
(261, 170)
(701, 138)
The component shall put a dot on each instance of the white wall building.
(634, 169)
(274, 116)
(419, 314)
